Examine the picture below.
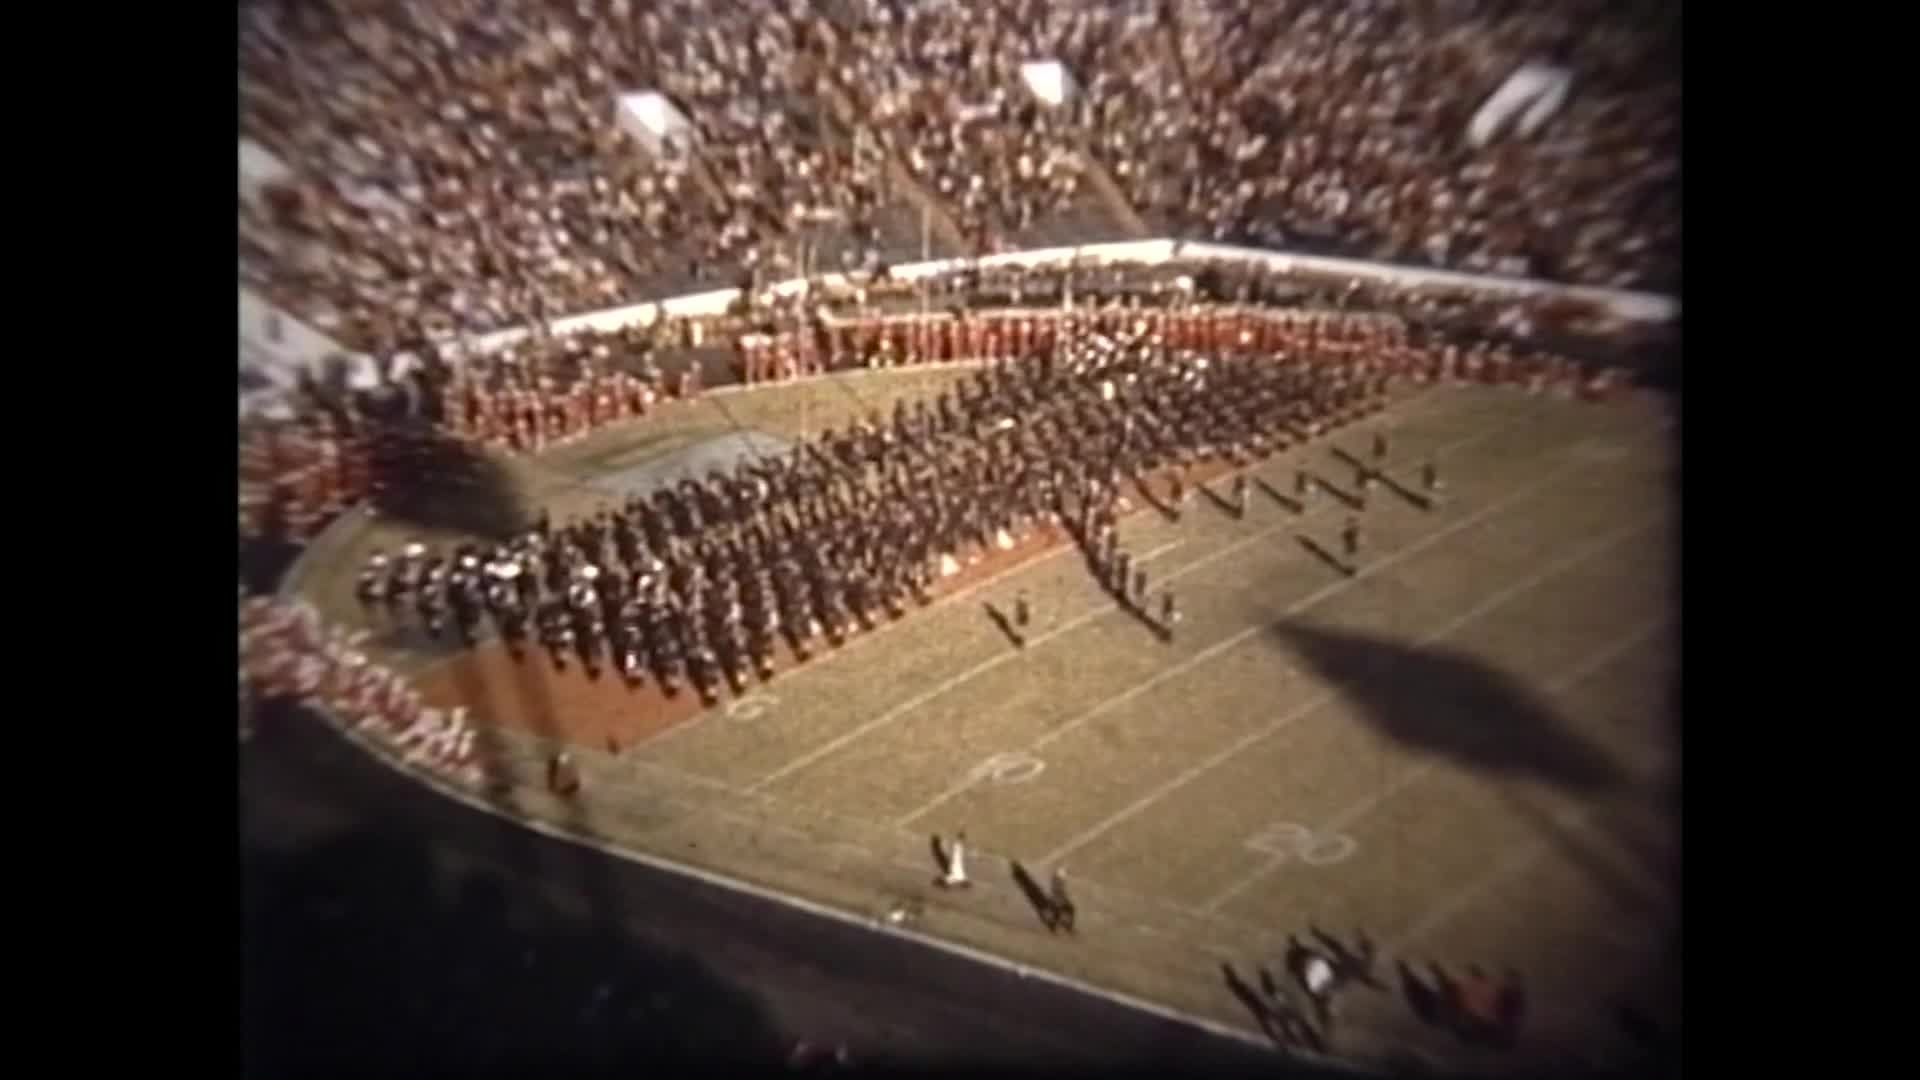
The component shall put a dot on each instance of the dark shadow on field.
(1345, 498)
(1288, 503)
(1164, 505)
(1454, 705)
(334, 991)
(369, 952)
(387, 929)
(1005, 625)
(1379, 474)
(1632, 893)
(503, 776)
(1422, 997)
(1251, 1000)
(1656, 1042)
(1221, 502)
(1278, 1017)
(264, 560)
(424, 478)
(1351, 459)
(1318, 551)
(1036, 896)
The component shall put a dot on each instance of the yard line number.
(1009, 768)
(752, 707)
(1290, 841)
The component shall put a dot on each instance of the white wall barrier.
(1628, 306)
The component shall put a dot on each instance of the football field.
(1466, 747)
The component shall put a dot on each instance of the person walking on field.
(955, 876)
(563, 777)
(1064, 910)
(1316, 975)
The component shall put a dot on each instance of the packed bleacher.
(1350, 128)
(460, 167)
(456, 166)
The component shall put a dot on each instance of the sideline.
(818, 910)
(288, 590)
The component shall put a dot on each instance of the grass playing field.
(1467, 748)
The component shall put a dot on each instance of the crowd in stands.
(332, 451)
(457, 165)
(1015, 335)
(287, 651)
(941, 86)
(549, 389)
(297, 474)
(1343, 126)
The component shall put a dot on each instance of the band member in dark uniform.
(700, 580)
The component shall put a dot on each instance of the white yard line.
(678, 731)
(1168, 673)
(981, 854)
(1104, 608)
(682, 729)
(427, 664)
(1560, 685)
(819, 910)
(451, 790)
(1515, 864)
(1240, 745)
(1652, 891)
(905, 707)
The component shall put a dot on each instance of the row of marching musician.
(700, 582)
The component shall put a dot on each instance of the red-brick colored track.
(531, 694)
